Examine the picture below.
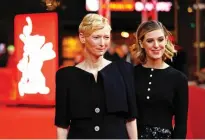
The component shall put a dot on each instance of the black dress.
(161, 94)
(95, 110)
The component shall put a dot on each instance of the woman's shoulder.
(138, 67)
(124, 63)
(66, 71)
(177, 74)
(124, 66)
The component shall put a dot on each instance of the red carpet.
(30, 123)
(37, 123)
(197, 112)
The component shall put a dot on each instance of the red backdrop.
(37, 57)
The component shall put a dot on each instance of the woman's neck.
(156, 64)
(93, 63)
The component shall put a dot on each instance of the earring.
(141, 46)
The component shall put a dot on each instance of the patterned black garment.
(149, 132)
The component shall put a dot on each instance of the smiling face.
(154, 44)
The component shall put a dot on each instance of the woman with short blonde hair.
(96, 98)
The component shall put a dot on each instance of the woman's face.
(154, 44)
(98, 42)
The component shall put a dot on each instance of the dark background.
(71, 12)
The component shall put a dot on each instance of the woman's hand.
(62, 133)
(131, 126)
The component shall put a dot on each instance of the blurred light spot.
(190, 10)
(125, 34)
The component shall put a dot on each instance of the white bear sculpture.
(36, 51)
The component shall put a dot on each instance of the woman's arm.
(181, 109)
(128, 74)
(131, 126)
(62, 120)
(62, 133)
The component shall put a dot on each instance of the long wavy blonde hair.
(91, 23)
(138, 54)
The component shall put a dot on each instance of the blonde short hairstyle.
(138, 53)
(93, 22)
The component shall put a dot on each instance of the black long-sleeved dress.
(161, 94)
(95, 110)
